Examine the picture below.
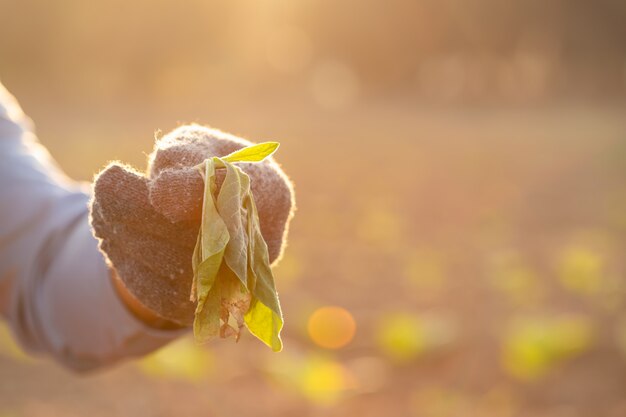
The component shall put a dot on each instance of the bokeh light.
(319, 379)
(581, 270)
(404, 337)
(534, 346)
(331, 327)
(182, 359)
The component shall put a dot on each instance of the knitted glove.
(148, 225)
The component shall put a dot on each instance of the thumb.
(121, 194)
(177, 194)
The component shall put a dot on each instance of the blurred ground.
(479, 251)
(461, 192)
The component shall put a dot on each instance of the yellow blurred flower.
(404, 337)
(319, 379)
(182, 359)
(533, 346)
(581, 270)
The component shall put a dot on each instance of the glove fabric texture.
(148, 224)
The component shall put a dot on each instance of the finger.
(177, 194)
(189, 145)
(122, 193)
(274, 198)
(121, 198)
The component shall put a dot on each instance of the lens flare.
(331, 327)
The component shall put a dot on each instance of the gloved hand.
(148, 225)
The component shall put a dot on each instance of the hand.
(148, 225)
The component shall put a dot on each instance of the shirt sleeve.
(55, 290)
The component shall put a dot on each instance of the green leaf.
(254, 153)
(235, 187)
(265, 324)
(264, 319)
(206, 324)
(208, 254)
(233, 282)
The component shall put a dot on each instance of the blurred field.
(475, 241)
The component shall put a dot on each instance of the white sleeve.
(55, 289)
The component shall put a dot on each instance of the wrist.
(137, 309)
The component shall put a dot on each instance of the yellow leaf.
(254, 153)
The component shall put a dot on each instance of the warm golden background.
(460, 169)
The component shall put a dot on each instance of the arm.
(56, 290)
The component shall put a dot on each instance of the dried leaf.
(264, 319)
(207, 259)
(233, 282)
(235, 187)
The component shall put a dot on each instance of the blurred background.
(460, 171)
